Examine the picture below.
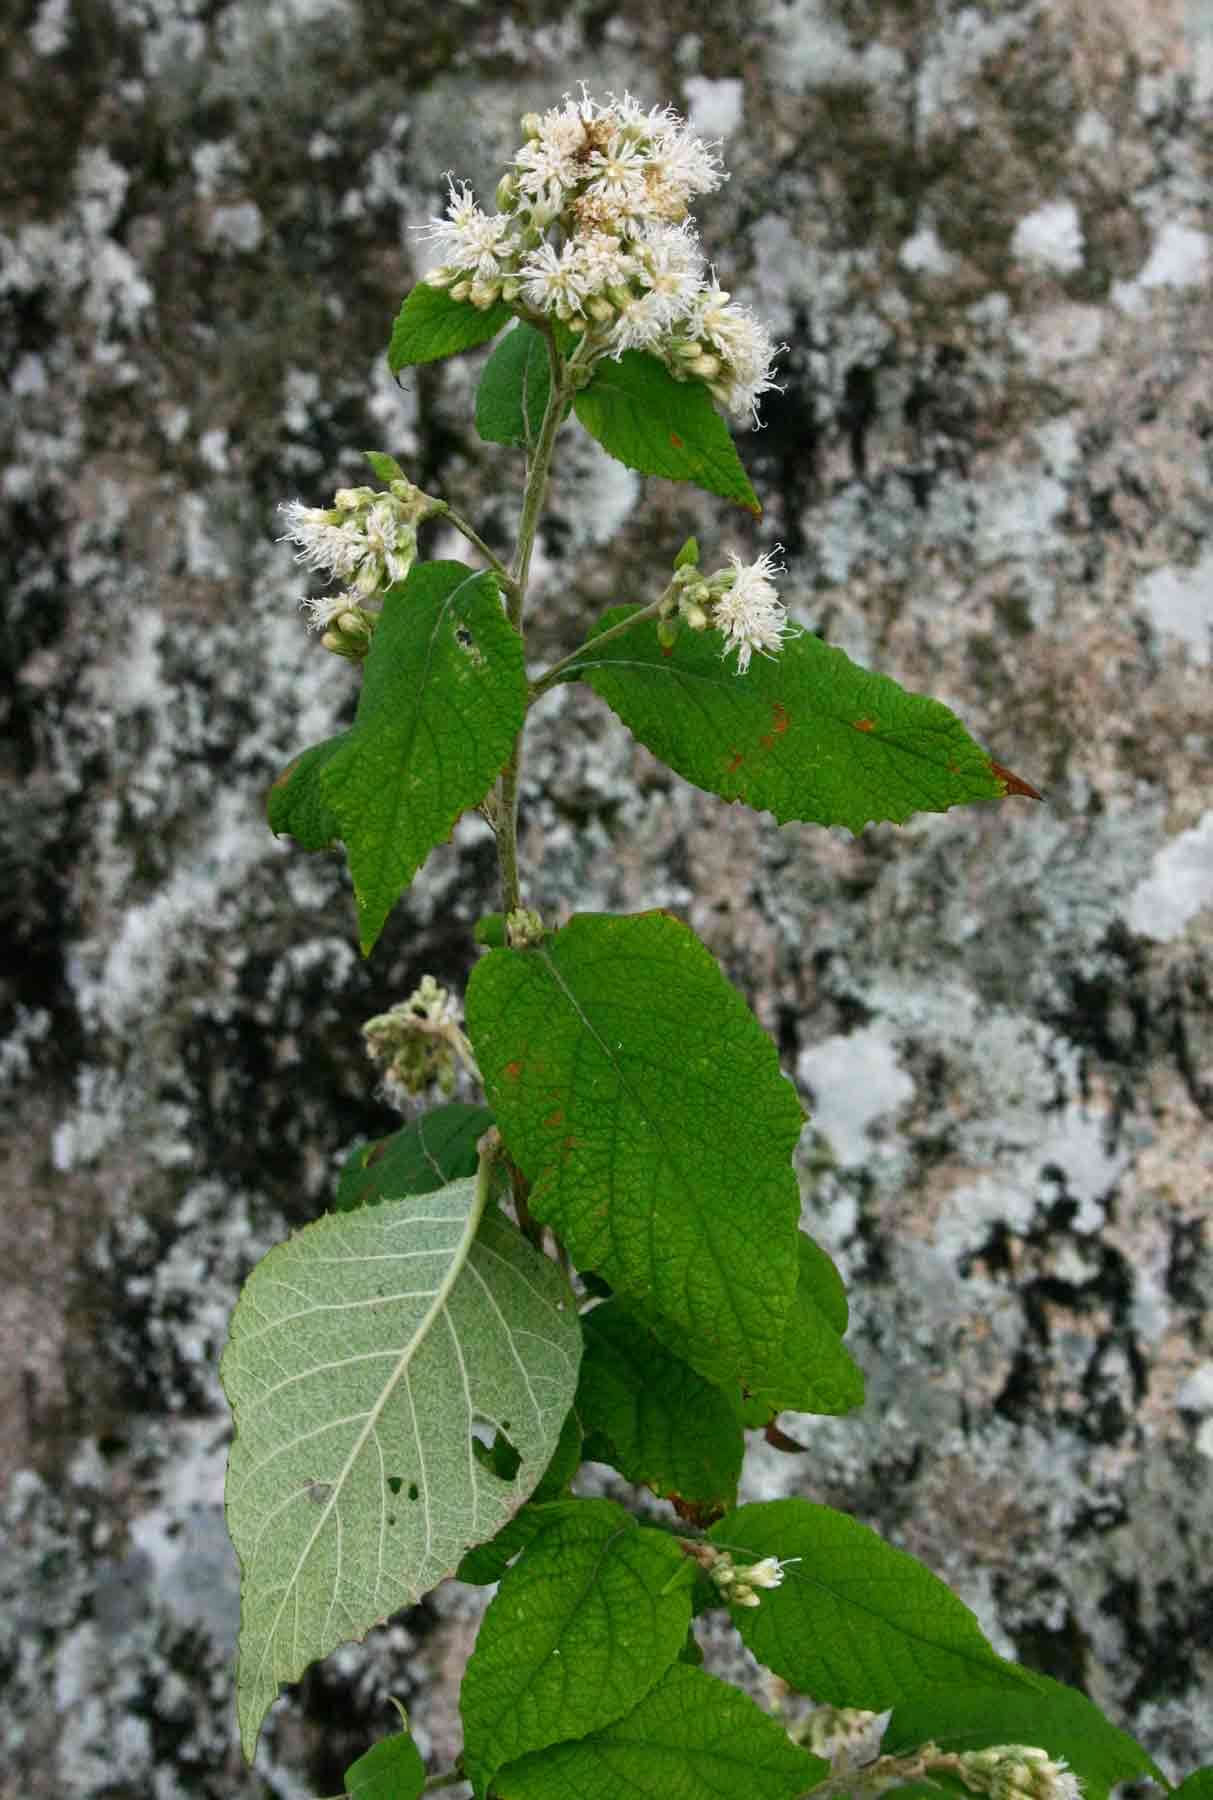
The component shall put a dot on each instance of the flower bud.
(532, 125)
(507, 194)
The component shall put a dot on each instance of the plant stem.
(556, 673)
(474, 538)
(532, 506)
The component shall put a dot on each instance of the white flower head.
(744, 346)
(337, 549)
(556, 281)
(473, 242)
(747, 608)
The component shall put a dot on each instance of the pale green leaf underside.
(806, 735)
(691, 1738)
(361, 1353)
(582, 1626)
(637, 1091)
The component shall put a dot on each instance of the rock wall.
(984, 231)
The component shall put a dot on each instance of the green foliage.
(690, 1738)
(296, 803)
(582, 1626)
(855, 1623)
(637, 1092)
(488, 1562)
(363, 1354)
(635, 1400)
(438, 1147)
(806, 735)
(1026, 1708)
(650, 422)
(391, 1770)
(443, 697)
(811, 1372)
(431, 325)
(414, 1387)
(386, 467)
(1197, 1786)
(513, 392)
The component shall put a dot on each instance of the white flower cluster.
(366, 539)
(593, 229)
(741, 1587)
(740, 602)
(1017, 1772)
(418, 1040)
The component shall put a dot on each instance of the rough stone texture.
(984, 230)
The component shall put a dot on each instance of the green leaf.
(855, 1623)
(650, 422)
(513, 392)
(651, 1416)
(1034, 1710)
(391, 1770)
(488, 1562)
(1196, 1786)
(296, 803)
(636, 1090)
(805, 735)
(810, 1369)
(812, 1372)
(691, 1738)
(579, 1631)
(363, 1351)
(443, 698)
(385, 466)
(431, 325)
(438, 1147)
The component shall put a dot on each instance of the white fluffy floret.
(749, 611)
(470, 241)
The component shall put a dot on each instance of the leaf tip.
(1014, 784)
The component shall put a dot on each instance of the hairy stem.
(558, 670)
(532, 506)
(465, 529)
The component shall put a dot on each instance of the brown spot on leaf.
(512, 1071)
(779, 717)
(1015, 784)
(735, 761)
(767, 740)
(555, 1118)
(864, 724)
(676, 440)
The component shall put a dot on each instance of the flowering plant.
(602, 1258)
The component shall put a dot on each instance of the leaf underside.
(363, 1352)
